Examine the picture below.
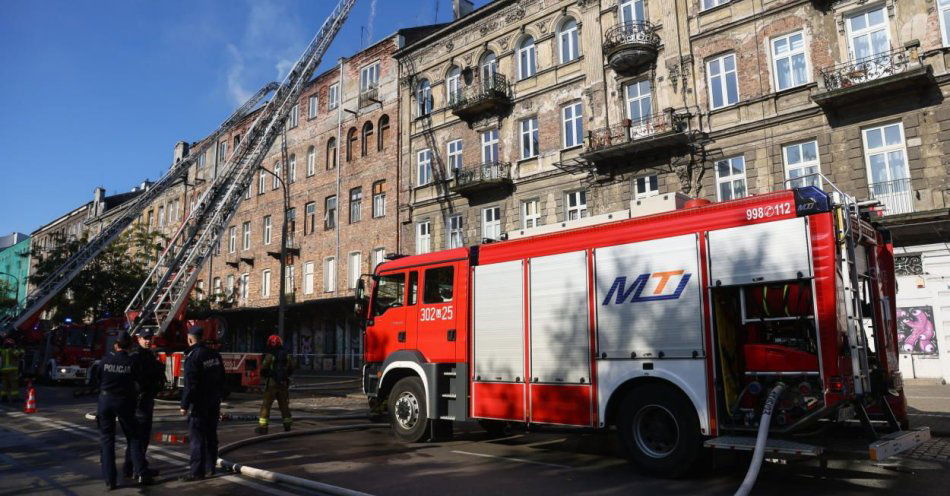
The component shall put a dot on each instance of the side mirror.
(359, 307)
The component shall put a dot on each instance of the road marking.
(928, 397)
(510, 459)
(939, 415)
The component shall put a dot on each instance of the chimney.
(462, 8)
(181, 150)
(98, 205)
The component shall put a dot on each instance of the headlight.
(62, 371)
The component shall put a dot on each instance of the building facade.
(15, 268)
(525, 114)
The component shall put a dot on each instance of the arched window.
(488, 67)
(423, 98)
(567, 40)
(527, 61)
(331, 153)
(311, 161)
(631, 11)
(237, 141)
(453, 85)
(351, 138)
(367, 136)
(383, 130)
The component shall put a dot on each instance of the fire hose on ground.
(759, 454)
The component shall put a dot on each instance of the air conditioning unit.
(650, 205)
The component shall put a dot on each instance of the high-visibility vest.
(9, 358)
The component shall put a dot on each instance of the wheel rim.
(655, 431)
(407, 410)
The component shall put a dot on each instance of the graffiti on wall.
(915, 330)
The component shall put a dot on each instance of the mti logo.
(660, 288)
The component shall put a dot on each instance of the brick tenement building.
(341, 170)
(559, 110)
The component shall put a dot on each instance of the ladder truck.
(676, 328)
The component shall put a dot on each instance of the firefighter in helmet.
(10, 370)
(276, 370)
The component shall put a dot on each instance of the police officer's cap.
(146, 333)
(196, 331)
(123, 340)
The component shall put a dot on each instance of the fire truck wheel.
(407, 409)
(660, 430)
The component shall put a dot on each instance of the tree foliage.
(8, 301)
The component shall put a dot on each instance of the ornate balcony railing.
(630, 45)
(867, 69)
(485, 96)
(369, 96)
(630, 131)
(481, 176)
(896, 196)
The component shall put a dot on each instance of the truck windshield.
(390, 293)
(79, 338)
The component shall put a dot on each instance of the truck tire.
(659, 428)
(407, 410)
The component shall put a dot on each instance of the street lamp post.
(282, 297)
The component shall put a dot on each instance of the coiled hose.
(759, 454)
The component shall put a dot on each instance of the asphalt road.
(55, 451)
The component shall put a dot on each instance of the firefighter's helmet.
(9, 342)
(274, 341)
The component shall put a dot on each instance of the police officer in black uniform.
(204, 383)
(117, 400)
(150, 381)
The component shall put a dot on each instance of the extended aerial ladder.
(56, 282)
(166, 289)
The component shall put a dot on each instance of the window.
(294, 118)
(453, 86)
(568, 41)
(262, 182)
(423, 237)
(267, 229)
(379, 256)
(645, 187)
(491, 223)
(708, 4)
(573, 124)
(312, 106)
(390, 293)
(488, 67)
(230, 284)
(944, 6)
(423, 98)
(639, 98)
(351, 139)
(161, 215)
(455, 157)
(367, 136)
(275, 178)
(490, 146)
(331, 153)
(202, 161)
(289, 280)
(531, 213)
(631, 11)
(868, 34)
(424, 167)
(356, 204)
(353, 269)
(232, 239)
(730, 178)
(379, 199)
(333, 97)
(438, 285)
(887, 167)
(369, 77)
(788, 58)
(291, 215)
(265, 283)
(311, 161)
(329, 274)
(310, 220)
(292, 169)
(723, 84)
(529, 138)
(308, 278)
(245, 284)
(801, 159)
(454, 226)
(576, 205)
(527, 64)
(383, 126)
(222, 152)
(329, 217)
(246, 233)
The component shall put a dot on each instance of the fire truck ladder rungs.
(163, 295)
(61, 277)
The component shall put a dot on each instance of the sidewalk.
(928, 405)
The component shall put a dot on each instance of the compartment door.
(766, 252)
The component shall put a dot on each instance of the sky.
(98, 92)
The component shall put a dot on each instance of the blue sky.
(97, 92)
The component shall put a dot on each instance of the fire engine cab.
(673, 327)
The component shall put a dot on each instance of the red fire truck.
(673, 327)
(70, 350)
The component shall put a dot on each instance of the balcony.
(483, 98)
(630, 46)
(616, 145)
(897, 197)
(884, 74)
(488, 176)
(369, 96)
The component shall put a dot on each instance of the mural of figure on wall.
(915, 330)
